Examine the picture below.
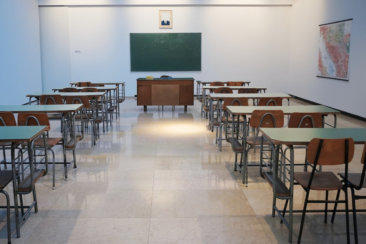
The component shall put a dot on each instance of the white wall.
(20, 62)
(306, 15)
(238, 43)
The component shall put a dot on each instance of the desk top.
(242, 110)
(20, 133)
(174, 78)
(302, 136)
(234, 87)
(247, 95)
(68, 94)
(99, 88)
(208, 82)
(101, 83)
(56, 108)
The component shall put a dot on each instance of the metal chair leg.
(303, 216)
(335, 206)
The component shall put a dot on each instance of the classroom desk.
(96, 95)
(202, 83)
(120, 87)
(111, 99)
(16, 135)
(205, 100)
(67, 112)
(252, 96)
(298, 136)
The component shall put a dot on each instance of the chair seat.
(72, 143)
(236, 146)
(324, 181)
(25, 186)
(51, 142)
(5, 178)
(252, 140)
(354, 179)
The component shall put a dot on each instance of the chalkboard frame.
(165, 51)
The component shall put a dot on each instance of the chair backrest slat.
(51, 99)
(267, 119)
(248, 90)
(223, 90)
(270, 101)
(7, 119)
(26, 118)
(305, 120)
(235, 83)
(332, 151)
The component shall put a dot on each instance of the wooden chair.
(270, 101)
(83, 83)
(225, 90)
(51, 99)
(48, 142)
(6, 119)
(217, 83)
(260, 119)
(87, 114)
(235, 83)
(248, 90)
(305, 120)
(324, 152)
(6, 176)
(89, 89)
(356, 182)
(69, 89)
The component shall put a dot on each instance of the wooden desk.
(298, 136)
(175, 91)
(15, 135)
(253, 96)
(203, 83)
(248, 110)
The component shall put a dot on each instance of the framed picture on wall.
(165, 19)
(334, 50)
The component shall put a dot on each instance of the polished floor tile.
(158, 177)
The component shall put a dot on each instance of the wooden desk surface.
(246, 110)
(20, 133)
(302, 136)
(54, 108)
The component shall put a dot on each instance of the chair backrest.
(217, 83)
(270, 101)
(51, 99)
(235, 83)
(243, 101)
(267, 119)
(248, 90)
(305, 120)
(96, 84)
(26, 118)
(69, 89)
(223, 90)
(89, 89)
(7, 119)
(78, 100)
(330, 151)
(83, 83)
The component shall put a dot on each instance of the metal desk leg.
(15, 187)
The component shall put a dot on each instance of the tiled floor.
(157, 177)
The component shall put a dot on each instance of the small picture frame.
(165, 19)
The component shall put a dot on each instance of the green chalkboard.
(165, 51)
